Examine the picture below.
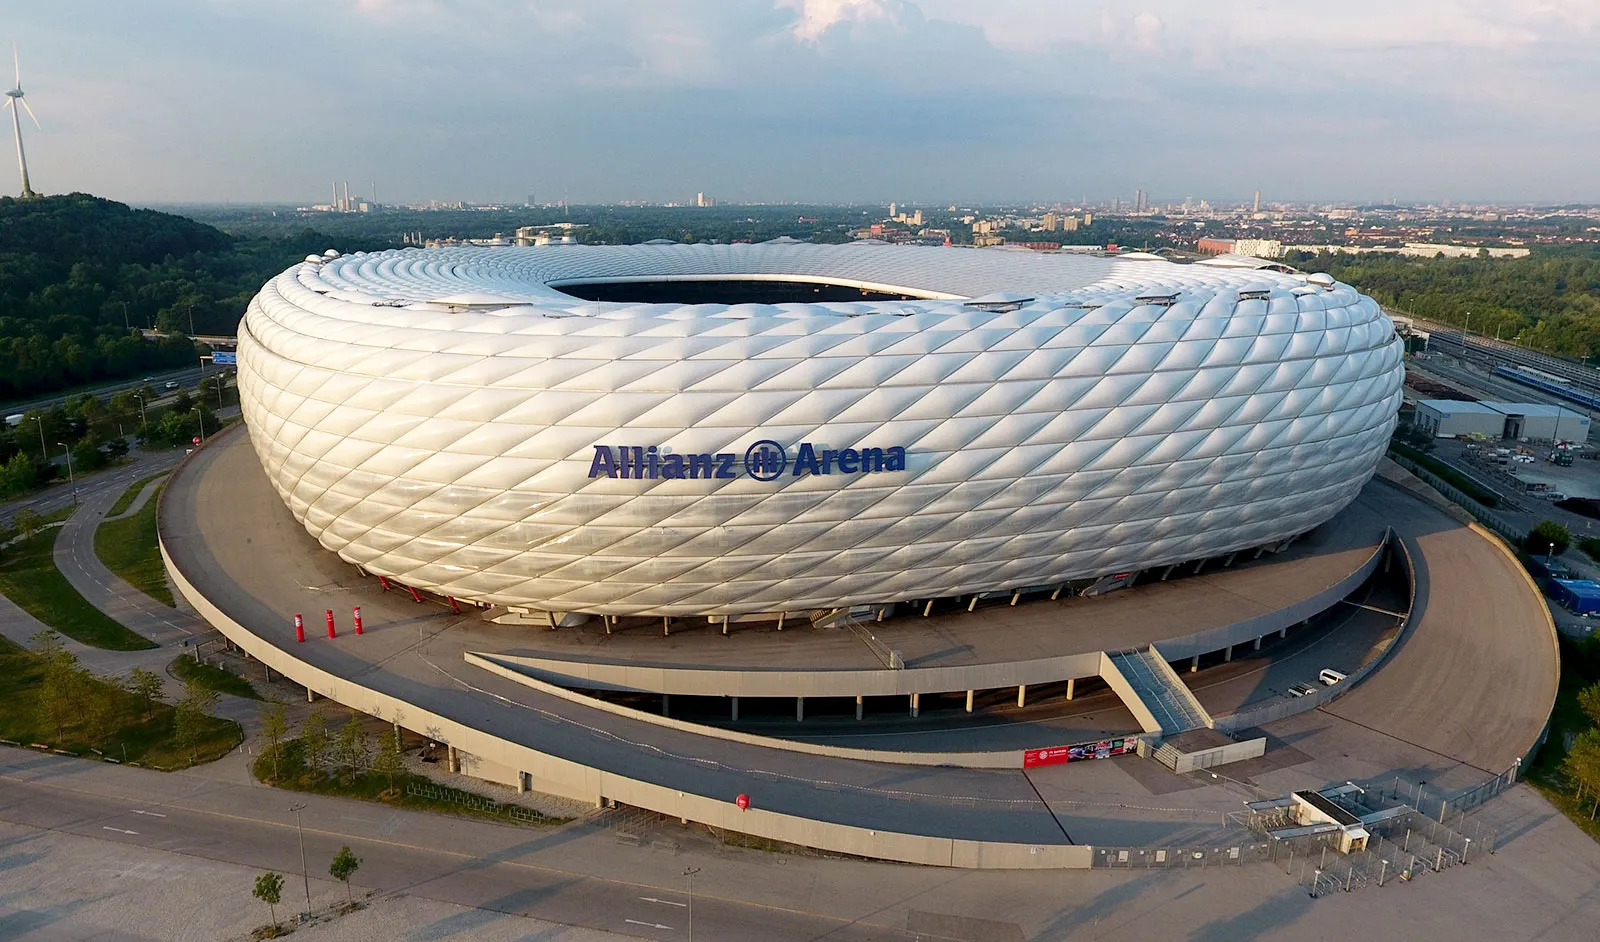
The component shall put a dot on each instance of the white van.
(1329, 677)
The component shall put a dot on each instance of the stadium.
(865, 548)
(466, 423)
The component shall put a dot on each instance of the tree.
(275, 727)
(1547, 538)
(189, 724)
(314, 740)
(147, 687)
(27, 521)
(344, 866)
(1582, 766)
(352, 748)
(57, 692)
(1589, 700)
(269, 890)
(390, 762)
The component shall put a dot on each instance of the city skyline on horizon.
(811, 101)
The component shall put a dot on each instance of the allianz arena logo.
(766, 460)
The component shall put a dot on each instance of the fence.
(1458, 497)
(478, 803)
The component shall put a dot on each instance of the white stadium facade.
(561, 432)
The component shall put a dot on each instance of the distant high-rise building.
(892, 208)
(700, 199)
(1050, 222)
(529, 201)
(1257, 208)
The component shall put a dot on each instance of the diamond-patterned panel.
(432, 415)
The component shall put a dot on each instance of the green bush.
(1547, 538)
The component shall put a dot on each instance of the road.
(89, 851)
(188, 376)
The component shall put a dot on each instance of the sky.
(932, 101)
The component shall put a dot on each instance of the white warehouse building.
(1448, 418)
(675, 430)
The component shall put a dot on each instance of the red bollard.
(299, 628)
(358, 619)
(330, 623)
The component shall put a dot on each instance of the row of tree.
(1582, 763)
(269, 886)
(69, 695)
(318, 753)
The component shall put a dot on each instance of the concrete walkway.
(75, 557)
(145, 495)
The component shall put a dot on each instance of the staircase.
(1162, 698)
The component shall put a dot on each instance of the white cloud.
(818, 16)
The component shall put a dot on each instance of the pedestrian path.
(75, 557)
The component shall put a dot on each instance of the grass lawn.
(212, 678)
(128, 496)
(128, 547)
(29, 577)
(129, 732)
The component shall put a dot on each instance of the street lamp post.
(72, 481)
(1550, 557)
(690, 872)
(202, 417)
(44, 450)
(142, 419)
(298, 807)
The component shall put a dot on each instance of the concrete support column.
(1016, 595)
(973, 605)
(524, 783)
(927, 609)
(724, 626)
(1283, 632)
(311, 695)
(1057, 593)
(799, 709)
(916, 704)
(735, 708)
(1227, 654)
(666, 704)
(452, 758)
(1258, 643)
(666, 627)
(969, 700)
(606, 621)
(860, 705)
(1022, 695)
(781, 617)
(1194, 664)
(1071, 683)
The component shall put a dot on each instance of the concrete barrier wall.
(575, 780)
(1221, 755)
(1279, 709)
(735, 682)
(1007, 759)
(1205, 642)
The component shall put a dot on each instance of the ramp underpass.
(1152, 690)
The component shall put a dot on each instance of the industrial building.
(1516, 421)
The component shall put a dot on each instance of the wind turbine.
(15, 102)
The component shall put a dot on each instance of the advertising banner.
(1101, 749)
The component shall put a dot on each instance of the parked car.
(1300, 690)
(1329, 676)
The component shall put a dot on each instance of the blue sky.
(831, 100)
